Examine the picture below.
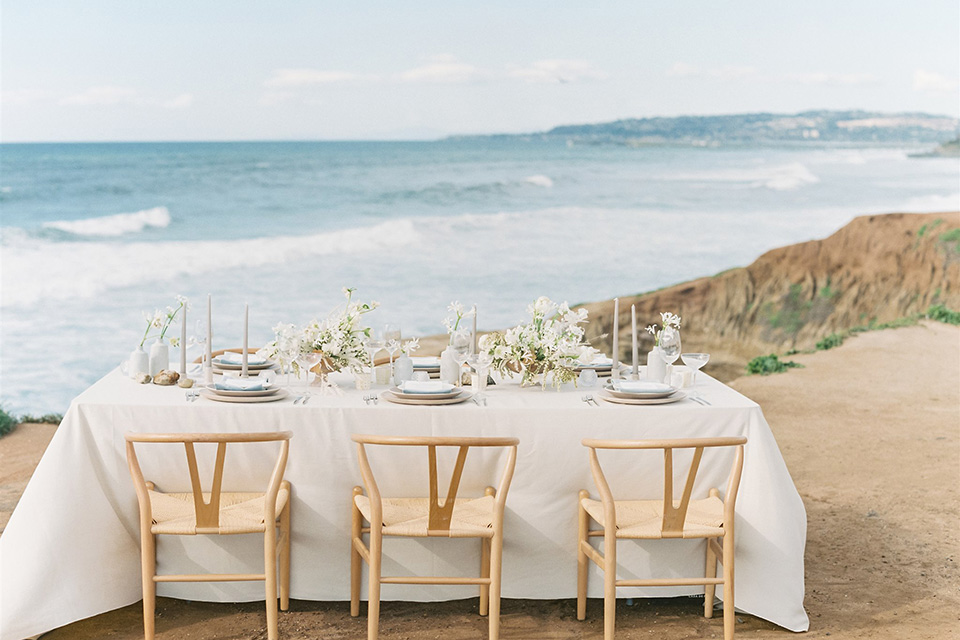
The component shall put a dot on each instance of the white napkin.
(425, 362)
(237, 358)
(231, 383)
(425, 386)
(641, 386)
(599, 362)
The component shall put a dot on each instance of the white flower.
(652, 329)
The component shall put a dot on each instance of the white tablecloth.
(71, 547)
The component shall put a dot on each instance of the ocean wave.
(41, 270)
(115, 225)
(539, 181)
(785, 177)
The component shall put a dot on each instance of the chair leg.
(356, 560)
(710, 590)
(729, 613)
(582, 559)
(148, 568)
(484, 573)
(609, 583)
(285, 558)
(373, 595)
(496, 567)
(270, 580)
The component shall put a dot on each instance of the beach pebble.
(166, 378)
(143, 378)
(185, 383)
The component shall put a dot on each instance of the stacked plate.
(426, 393)
(640, 392)
(244, 390)
(602, 365)
(232, 362)
(428, 364)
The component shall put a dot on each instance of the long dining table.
(71, 547)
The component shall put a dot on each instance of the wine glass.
(308, 360)
(695, 361)
(372, 346)
(670, 344)
(481, 363)
(460, 344)
(391, 339)
(200, 338)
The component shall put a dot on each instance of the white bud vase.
(402, 369)
(159, 357)
(449, 369)
(138, 363)
(656, 366)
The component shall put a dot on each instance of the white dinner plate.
(638, 395)
(273, 397)
(676, 397)
(244, 394)
(397, 391)
(403, 399)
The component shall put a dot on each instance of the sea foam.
(539, 181)
(115, 225)
(784, 177)
(46, 270)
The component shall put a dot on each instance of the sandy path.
(870, 432)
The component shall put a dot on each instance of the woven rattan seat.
(643, 519)
(452, 517)
(472, 518)
(174, 513)
(709, 518)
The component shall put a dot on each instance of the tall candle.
(183, 341)
(474, 329)
(615, 373)
(246, 332)
(636, 352)
(209, 330)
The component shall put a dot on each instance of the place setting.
(233, 388)
(426, 392)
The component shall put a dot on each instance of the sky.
(236, 70)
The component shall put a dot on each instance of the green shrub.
(940, 313)
(47, 418)
(765, 365)
(831, 341)
(7, 422)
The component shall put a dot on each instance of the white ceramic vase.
(449, 369)
(159, 357)
(402, 369)
(656, 366)
(138, 363)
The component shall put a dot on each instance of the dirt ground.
(871, 434)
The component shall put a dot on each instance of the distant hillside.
(862, 127)
(949, 149)
(876, 269)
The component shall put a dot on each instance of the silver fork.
(589, 400)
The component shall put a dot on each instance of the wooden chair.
(427, 517)
(710, 518)
(214, 513)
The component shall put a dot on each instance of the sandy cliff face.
(877, 268)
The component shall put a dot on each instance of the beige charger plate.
(237, 393)
(629, 395)
(676, 397)
(390, 397)
(238, 367)
(279, 395)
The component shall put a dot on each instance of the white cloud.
(554, 70)
(444, 69)
(732, 72)
(682, 70)
(288, 78)
(182, 101)
(831, 78)
(932, 82)
(103, 96)
(21, 97)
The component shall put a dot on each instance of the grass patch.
(7, 422)
(765, 365)
(950, 240)
(47, 418)
(940, 313)
(831, 341)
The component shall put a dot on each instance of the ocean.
(93, 235)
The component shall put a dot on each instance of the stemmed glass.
(200, 338)
(695, 361)
(460, 344)
(481, 363)
(308, 360)
(391, 339)
(372, 346)
(670, 344)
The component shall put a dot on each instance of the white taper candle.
(615, 356)
(246, 334)
(636, 351)
(474, 329)
(183, 341)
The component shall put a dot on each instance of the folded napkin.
(230, 383)
(237, 358)
(425, 362)
(641, 386)
(600, 362)
(425, 386)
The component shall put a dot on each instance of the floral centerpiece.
(452, 322)
(338, 340)
(669, 325)
(162, 320)
(551, 342)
